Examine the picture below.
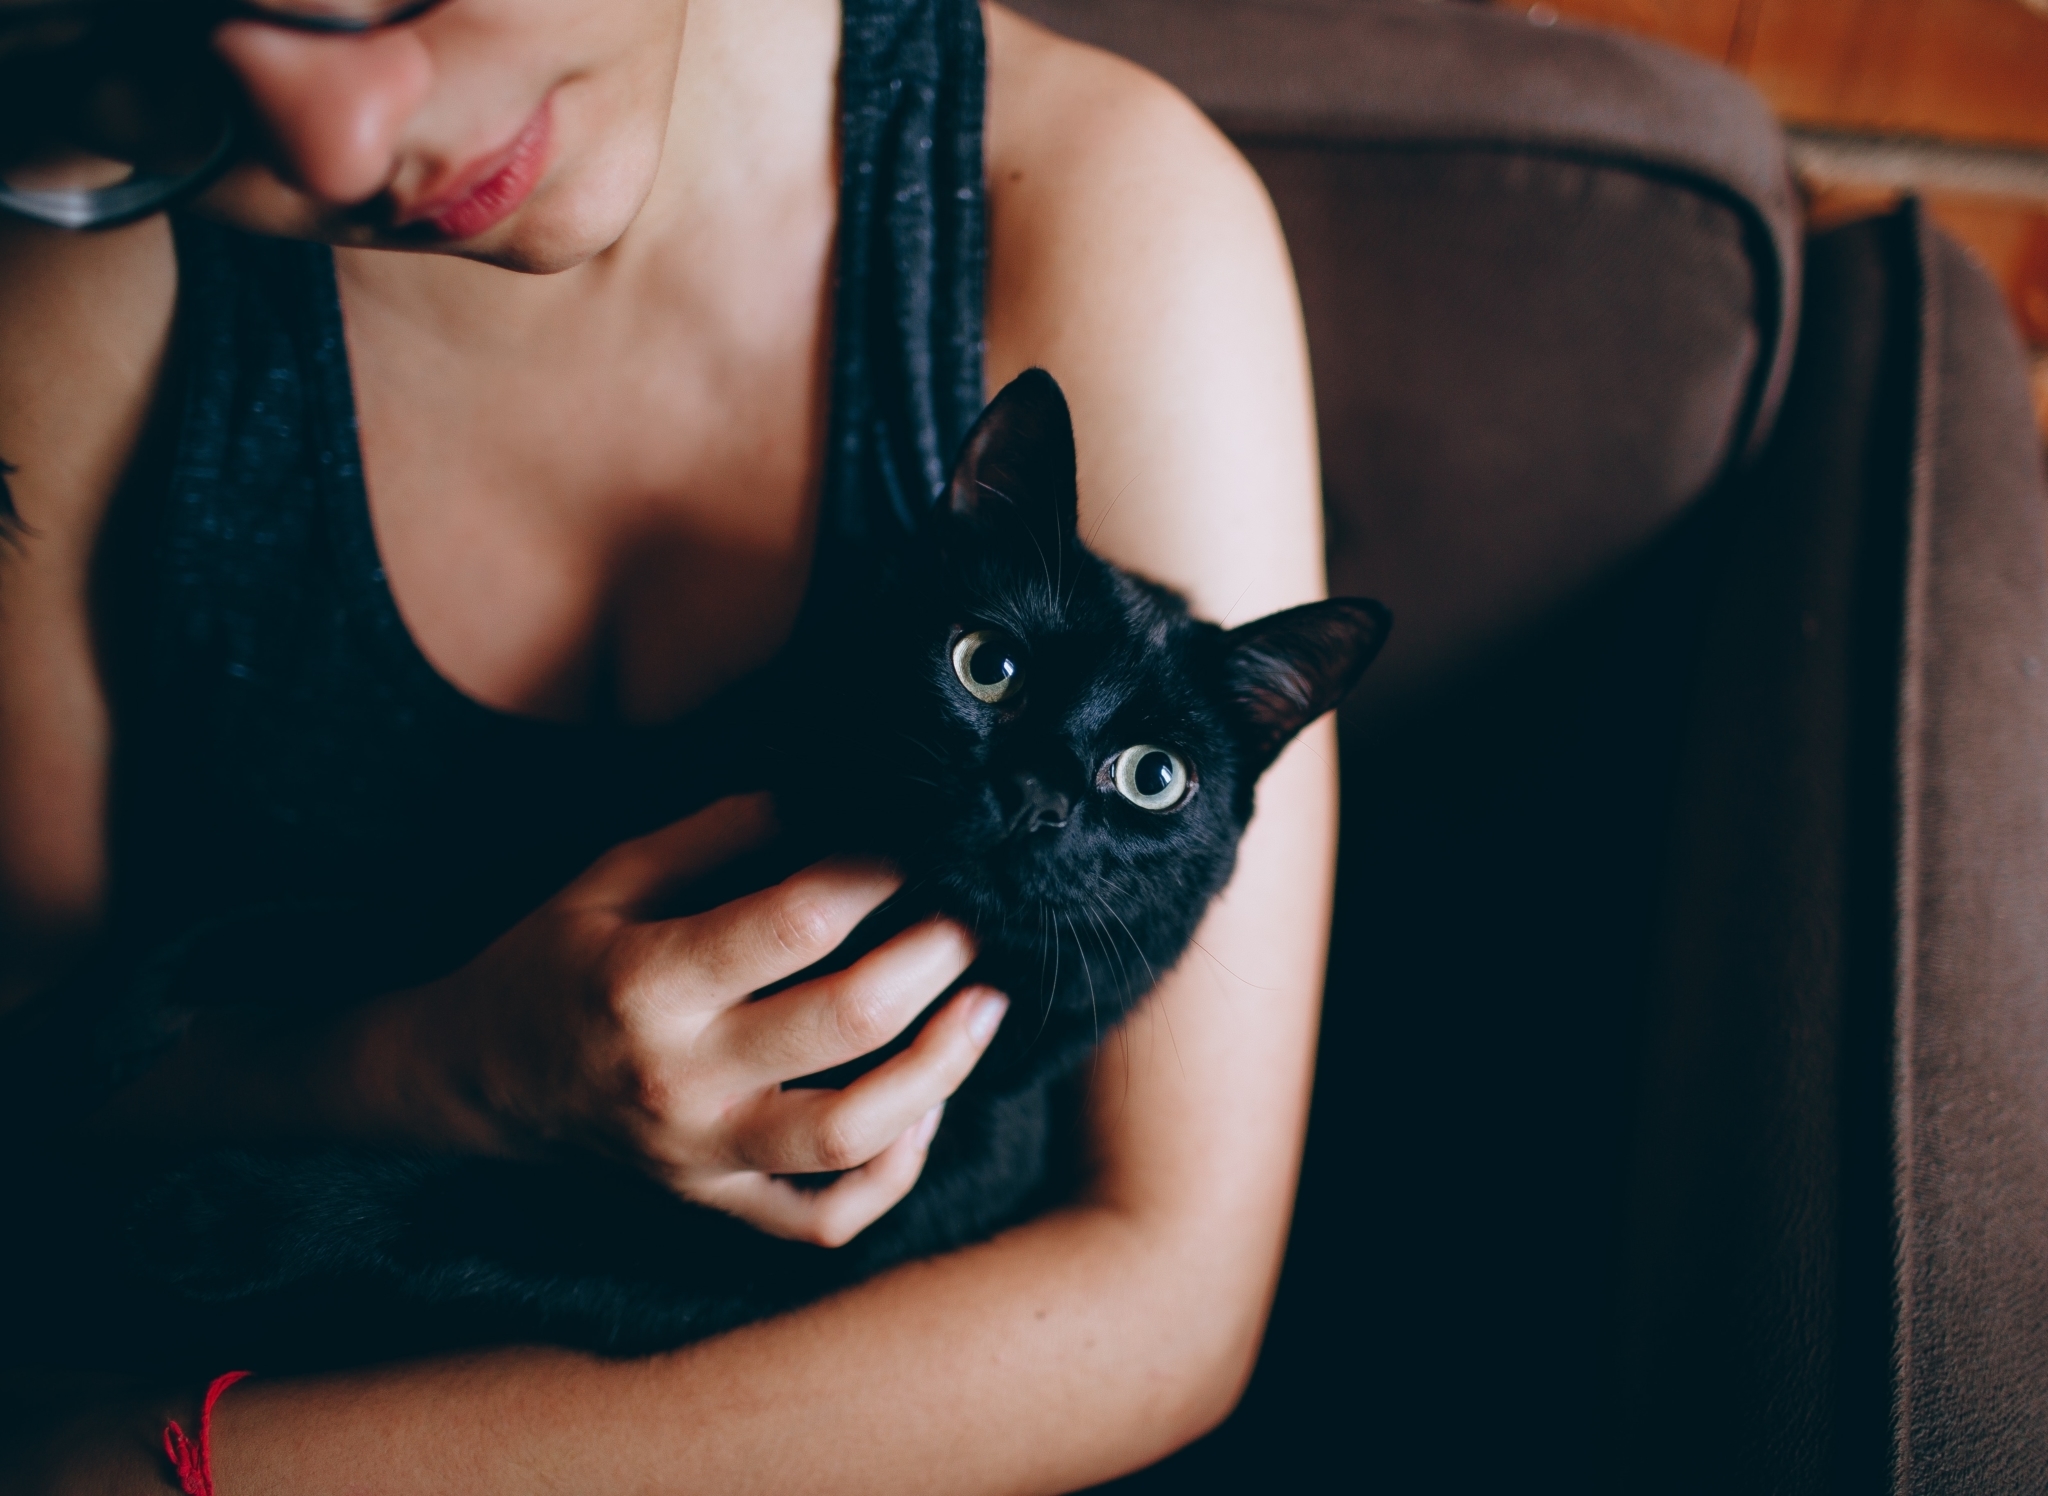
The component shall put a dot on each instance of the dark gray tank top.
(284, 745)
(305, 812)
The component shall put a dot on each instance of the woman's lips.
(491, 190)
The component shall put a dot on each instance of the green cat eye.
(986, 664)
(1151, 777)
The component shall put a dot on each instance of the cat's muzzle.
(1029, 805)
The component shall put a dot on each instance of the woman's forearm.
(1079, 1346)
(1069, 1350)
(1064, 1352)
(1086, 1343)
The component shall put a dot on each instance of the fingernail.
(986, 1017)
(962, 943)
(930, 1125)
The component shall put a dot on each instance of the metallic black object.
(62, 60)
(136, 196)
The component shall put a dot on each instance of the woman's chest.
(605, 509)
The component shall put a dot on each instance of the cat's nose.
(1033, 806)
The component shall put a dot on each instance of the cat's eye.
(987, 665)
(1151, 777)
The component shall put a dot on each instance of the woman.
(591, 493)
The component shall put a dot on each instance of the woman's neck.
(611, 473)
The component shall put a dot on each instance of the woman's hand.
(593, 1025)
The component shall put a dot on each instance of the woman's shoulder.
(85, 323)
(1135, 253)
(1072, 125)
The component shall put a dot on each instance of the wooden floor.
(1964, 82)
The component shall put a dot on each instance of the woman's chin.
(565, 224)
(545, 237)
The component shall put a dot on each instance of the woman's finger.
(639, 872)
(818, 1131)
(846, 1014)
(726, 954)
(835, 1215)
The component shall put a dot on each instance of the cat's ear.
(1018, 461)
(1285, 670)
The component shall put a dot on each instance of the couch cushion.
(1547, 274)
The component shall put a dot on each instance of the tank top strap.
(265, 483)
(907, 378)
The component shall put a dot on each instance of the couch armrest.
(1838, 1263)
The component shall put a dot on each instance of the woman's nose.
(335, 106)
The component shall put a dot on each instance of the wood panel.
(1973, 70)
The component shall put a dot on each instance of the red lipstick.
(490, 190)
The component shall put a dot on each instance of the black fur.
(1005, 815)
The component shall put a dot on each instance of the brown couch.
(1682, 1117)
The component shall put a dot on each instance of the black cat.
(1057, 754)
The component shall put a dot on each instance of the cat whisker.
(1059, 556)
(1081, 951)
(917, 742)
(1109, 882)
(1103, 518)
(1160, 1007)
(1043, 564)
(1123, 1032)
(1152, 977)
(1045, 567)
(1045, 1014)
(1109, 945)
(1052, 992)
(1213, 957)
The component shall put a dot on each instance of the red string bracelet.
(194, 1462)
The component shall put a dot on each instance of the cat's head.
(1070, 756)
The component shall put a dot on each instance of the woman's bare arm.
(85, 322)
